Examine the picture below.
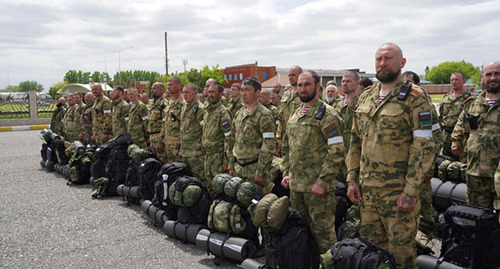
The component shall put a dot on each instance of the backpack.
(98, 167)
(148, 175)
(79, 172)
(343, 204)
(116, 167)
(471, 237)
(131, 184)
(191, 198)
(438, 162)
(230, 218)
(292, 246)
(358, 253)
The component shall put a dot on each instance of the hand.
(224, 168)
(427, 177)
(317, 190)
(104, 138)
(179, 155)
(160, 148)
(232, 172)
(92, 137)
(499, 219)
(455, 151)
(353, 192)
(280, 147)
(285, 182)
(406, 203)
(259, 180)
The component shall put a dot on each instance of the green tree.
(441, 73)
(29, 85)
(54, 88)
(11, 88)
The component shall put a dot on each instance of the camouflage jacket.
(216, 130)
(86, 122)
(155, 115)
(316, 148)
(101, 116)
(137, 123)
(450, 108)
(254, 139)
(192, 129)
(56, 123)
(70, 122)
(172, 123)
(496, 203)
(346, 113)
(79, 110)
(274, 112)
(234, 105)
(118, 112)
(483, 144)
(288, 104)
(392, 140)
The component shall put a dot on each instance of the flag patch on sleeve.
(425, 120)
(226, 126)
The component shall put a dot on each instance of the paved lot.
(46, 224)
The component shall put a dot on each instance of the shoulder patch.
(425, 120)
(415, 92)
(226, 126)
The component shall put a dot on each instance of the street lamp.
(119, 67)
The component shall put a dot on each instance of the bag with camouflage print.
(191, 197)
(230, 218)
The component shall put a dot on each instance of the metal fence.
(15, 105)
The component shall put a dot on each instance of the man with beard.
(119, 111)
(86, 120)
(56, 123)
(290, 101)
(451, 106)
(215, 139)
(391, 150)
(331, 94)
(314, 160)
(482, 119)
(204, 94)
(101, 116)
(155, 117)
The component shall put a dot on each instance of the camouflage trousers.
(481, 191)
(426, 200)
(153, 140)
(383, 224)
(138, 139)
(213, 166)
(320, 215)
(196, 163)
(248, 173)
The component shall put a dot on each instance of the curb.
(23, 128)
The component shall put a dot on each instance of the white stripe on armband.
(277, 122)
(335, 140)
(227, 134)
(145, 118)
(436, 126)
(268, 135)
(202, 122)
(427, 134)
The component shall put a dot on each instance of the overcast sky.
(40, 40)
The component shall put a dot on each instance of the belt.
(247, 163)
(448, 130)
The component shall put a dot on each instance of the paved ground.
(46, 224)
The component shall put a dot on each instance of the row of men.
(384, 141)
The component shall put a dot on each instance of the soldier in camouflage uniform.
(391, 150)
(277, 89)
(482, 118)
(85, 135)
(208, 83)
(254, 139)
(290, 101)
(56, 123)
(137, 120)
(331, 95)
(235, 102)
(69, 119)
(101, 116)
(172, 122)
(191, 131)
(265, 100)
(451, 106)
(155, 118)
(316, 154)
(215, 139)
(80, 108)
(119, 110)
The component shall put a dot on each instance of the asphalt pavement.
(46, 224)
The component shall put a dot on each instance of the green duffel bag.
(443, 170)
(220, 212)
(454, 171)
(248, 191)
(232, 186)
(137, 154)
(187, 197)
(270, 211)
(219, 182)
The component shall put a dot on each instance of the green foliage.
(129, 78)
(11, 89)
(30, 85)
(54, 88)
(441, 73)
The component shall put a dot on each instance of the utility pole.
(184, 62)
(166, 55)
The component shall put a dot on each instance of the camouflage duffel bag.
(270, 211)
(223, 213)
(242, 191)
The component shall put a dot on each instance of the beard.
(156, 95)
(493, 90)
(388, 77)
(308, 98)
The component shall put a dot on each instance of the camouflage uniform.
(224, 101)
(274, 112)
(288, 104)
(391, 150)
(449, 110)
(118, 112)
(86, 124)
(137, 124)
(56, 123)
(234, 105)
(333, 102)
(315, 156)
(215, 140)
(171, 130)
(254, 144)
(79, 110)
(155, 121)
(191, 130)
(496, 203)
(483, 149)
(101, 118)
(70, 122)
